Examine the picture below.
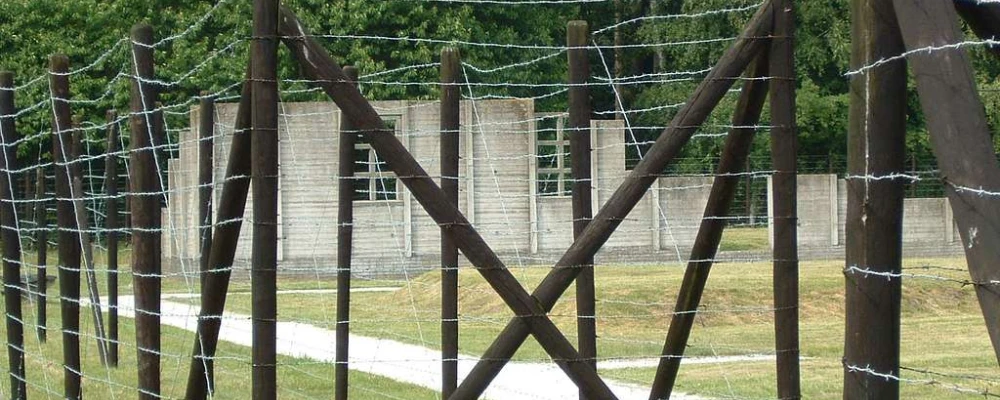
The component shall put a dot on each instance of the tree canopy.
(510, 50)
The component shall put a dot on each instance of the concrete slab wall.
(497, 193)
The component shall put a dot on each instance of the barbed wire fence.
(515, 185)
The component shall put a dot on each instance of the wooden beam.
(687, 121)
(264, 175)
(578, 128)
(784, 155)
(9, 232)
(345, 241)
(146, 224)
(229, 216)
(961, 141)
(983, 18)
(735, 153)
(318, 66)
(42, 243)
(69, 241)
(80, 211)
(451, 96)
(876, 148)
(111, 225)
(206, 143)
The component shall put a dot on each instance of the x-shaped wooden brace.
(531, 309)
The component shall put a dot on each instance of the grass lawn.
(297, 378)
(745, 239)
(942, 332)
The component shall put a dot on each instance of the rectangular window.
(372, 178)
(554, 176)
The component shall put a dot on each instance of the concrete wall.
(928, 227)
(497, 193)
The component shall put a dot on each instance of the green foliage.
(210, 50)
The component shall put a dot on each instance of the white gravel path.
(398, 361)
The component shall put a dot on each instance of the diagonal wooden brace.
(667, 146)
(735, 153)
(960, 137)
(317, 65)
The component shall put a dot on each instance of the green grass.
(297, 377)
(745, 239)
(942, 326)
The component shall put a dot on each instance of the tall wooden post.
(264, 175)
(345, 240)
(80, 213)
(451, 95)
(42, 243)
(231, 207)
(11, 241)
(735, 154)
(961, 139)
(632, 189)
(876, 148)
(111, 225)
(145, 184)
(784, 154)
(579, 131)
(69, 240)
(206, 141)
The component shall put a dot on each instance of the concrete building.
(514, 180)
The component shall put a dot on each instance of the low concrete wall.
(498, 194)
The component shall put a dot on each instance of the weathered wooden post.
(345, 240)
(111, 225)
(80, 213)
(232, 204)
(42, 243)
(784, 154)
(961, 139)
(628, 194)
(876, 151)
(264, 174)
(451, 66)
(735, 154)
(206, 141)
(579, 131)
(69, 240)
(318, 65)
(145, 184)
(13, 287)
(984, 19)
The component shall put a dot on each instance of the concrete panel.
(681, 207)
(817, 210)
(924, 221)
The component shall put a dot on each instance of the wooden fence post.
(13, 287)
(451, 96)
(231, 206)
(579, 131)
(80, 213)
(69, 240)
(628, 194)
(876, 148)
(145, 186)
(784, 155)
(111, 225)
(206, 142)
(961, 140)
(264, 174)
(318, 65)
(734, 158)
(345, 239)
(42, 243)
